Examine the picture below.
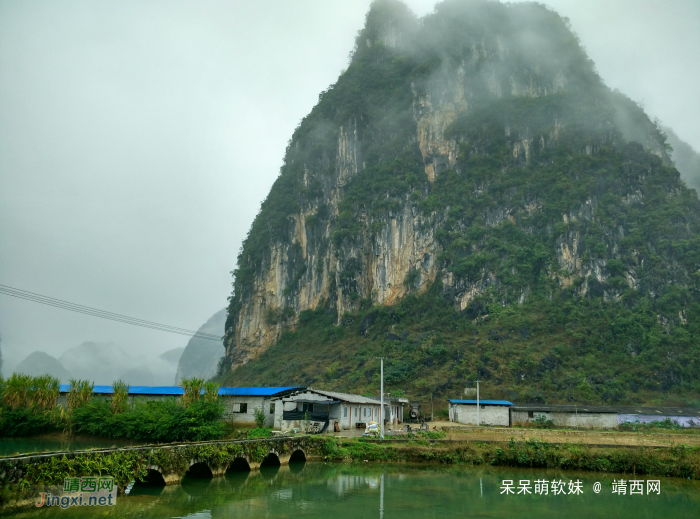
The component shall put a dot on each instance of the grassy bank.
(680, 461)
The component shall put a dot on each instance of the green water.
(10, 446)
(337, 491)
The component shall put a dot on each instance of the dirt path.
(456, 432)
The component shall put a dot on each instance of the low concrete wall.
(587, 420)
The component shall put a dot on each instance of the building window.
(307, 407)
(272, 408)
(530, 414)
(483, 407)
(345, 412)
(356, 411)
(239, 408)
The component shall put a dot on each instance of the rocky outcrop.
(337, 248)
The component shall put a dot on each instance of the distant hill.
(142, 376)
(40, 363)
(156, 371)
(172, 356)
(686, 158)
(201, 356)
(101, 363)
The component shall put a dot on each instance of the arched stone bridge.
(20, 476)
(232, 456)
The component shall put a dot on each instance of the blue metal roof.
(177, 390)
(256, 391)
(481, 402)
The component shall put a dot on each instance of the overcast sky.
(138, 139)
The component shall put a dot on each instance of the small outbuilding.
(490, 412)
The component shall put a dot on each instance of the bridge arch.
(154, 478)
(297, 455)
(239, 464)
(199, 469)
(271, 460)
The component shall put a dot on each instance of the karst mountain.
(471, 201)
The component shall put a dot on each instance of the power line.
(103, 314)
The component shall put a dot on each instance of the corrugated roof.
(177, 390)
(612, 409)
(389, 399)
(345, 397)
(482, 402)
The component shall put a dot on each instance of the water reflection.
(295, 467)
(318, 490)
(236, 479)
(270, 472)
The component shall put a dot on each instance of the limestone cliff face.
(324, 237)
(311, 268)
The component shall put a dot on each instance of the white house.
(393, 409)
(325, 408)
(491, 412)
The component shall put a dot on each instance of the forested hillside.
(471, 201)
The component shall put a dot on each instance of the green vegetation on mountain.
(567, 246)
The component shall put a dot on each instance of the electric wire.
(103, 314)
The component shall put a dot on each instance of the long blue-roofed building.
(240, 402)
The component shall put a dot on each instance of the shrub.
(23, 421)
(211, 392)
(259, 414)
(192, 390)
(260, 432)
(120, 396)
(27, 405)
(160, 421)
(541, 422)
(16, 390)
(80, 393)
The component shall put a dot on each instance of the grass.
(680, 461)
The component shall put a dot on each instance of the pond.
(337, 491)
(57, 442)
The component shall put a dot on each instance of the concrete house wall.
(488, 414)
(232, 408)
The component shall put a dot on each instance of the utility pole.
(381, 399)
(477, 404)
